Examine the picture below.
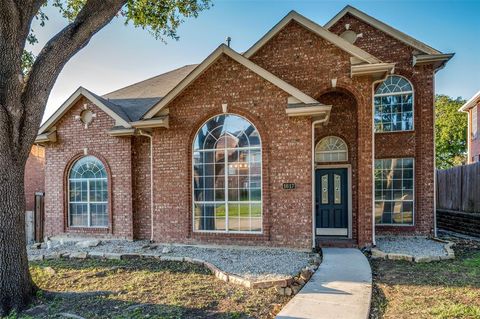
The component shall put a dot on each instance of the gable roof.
(470, 103)
(155, 87)
(317, 29)
(382, 27)
(298, 95)
(112, 110)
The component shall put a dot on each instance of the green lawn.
(444, 289)
(144, 289)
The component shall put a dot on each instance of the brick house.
(314, 135)
(34, 176)
(471, 108)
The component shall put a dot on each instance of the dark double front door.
(331, 202)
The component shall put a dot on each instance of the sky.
(120, 54)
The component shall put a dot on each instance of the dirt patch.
(443, 289)
(144, 289)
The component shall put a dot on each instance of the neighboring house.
(34, 186)
(34, 176)
(313, 135)
(472, 108)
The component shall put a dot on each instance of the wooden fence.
(458, 188)
(458, 199)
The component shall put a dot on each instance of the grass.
(443, 289)
(144, 289)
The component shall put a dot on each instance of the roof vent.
(350, 36)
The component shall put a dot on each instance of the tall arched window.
(393, 102)
(227, 176)
(88, 193)
(331, 149)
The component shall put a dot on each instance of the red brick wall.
(419, 143)
(115, 152)
(141, 187)
(286, 147)
(309, 62)
(34, 176)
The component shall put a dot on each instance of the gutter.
(143, 133)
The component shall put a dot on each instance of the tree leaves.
(450, 132)
(162, 18)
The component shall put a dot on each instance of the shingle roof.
(155, 87)
(133, 101)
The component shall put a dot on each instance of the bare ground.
(443, 289)
(142, 289)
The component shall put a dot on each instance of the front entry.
(331, 202)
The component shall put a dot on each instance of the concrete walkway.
(340, 288)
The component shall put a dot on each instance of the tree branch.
(55, 54)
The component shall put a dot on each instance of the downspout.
(143, 133)
(313, 177)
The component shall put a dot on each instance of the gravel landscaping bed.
(414, 246)
(250, 263)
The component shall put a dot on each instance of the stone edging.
(286, 286)
(378, 254)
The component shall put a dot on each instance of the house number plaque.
(288, 185)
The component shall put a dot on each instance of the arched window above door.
(331, 149)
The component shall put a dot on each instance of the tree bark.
(22, 104)
(16, 288)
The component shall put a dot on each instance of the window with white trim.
(227, 176)
(393, 102)
(88, 193)
(331, 149)
(394, 191)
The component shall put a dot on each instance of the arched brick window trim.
(265, 179)
(87, 230)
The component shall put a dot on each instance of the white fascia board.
(151, 123)
(121, 132)
(71, 101)
(46, 137)
(470, 103)
(382, 27)
(309, 110)
(317, 29)
(223, 49)
(438, 60)
(379, 69)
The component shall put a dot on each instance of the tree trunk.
(16, 287)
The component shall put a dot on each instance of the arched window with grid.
(88, 193)
(393, 102)
(227, 176)
(331, 149)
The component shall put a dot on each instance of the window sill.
(393, 132)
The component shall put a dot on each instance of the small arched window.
(331, 149)
(393, 103)
(227, 176)
(88, 193)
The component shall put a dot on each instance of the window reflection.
(227, 186)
